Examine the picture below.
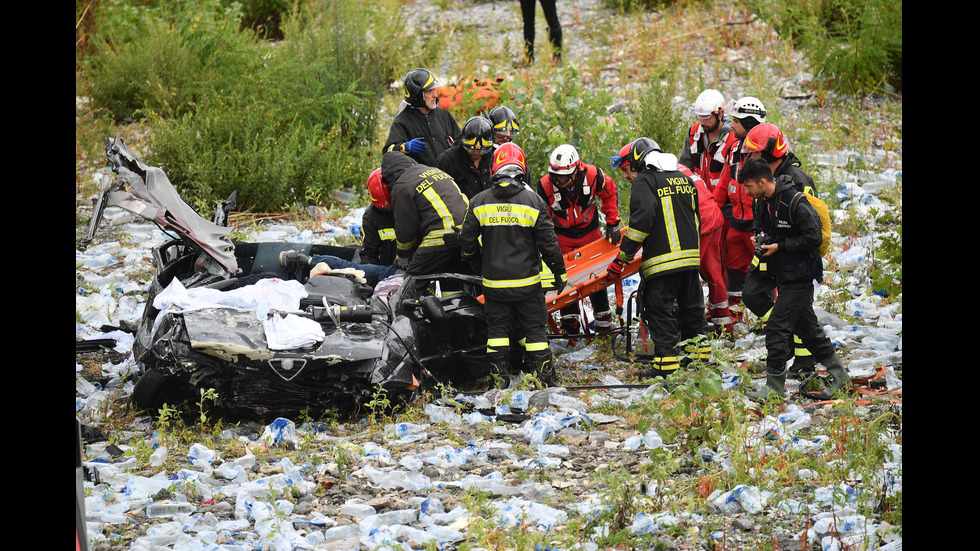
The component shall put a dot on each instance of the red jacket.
(735, 192)
(711, 218)
(707, 160)
(575, 209)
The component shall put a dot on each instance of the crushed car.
(224, 315)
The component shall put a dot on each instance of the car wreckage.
(225, 315)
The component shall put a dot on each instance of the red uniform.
(738, 241)
(712, 268)
(575, 211)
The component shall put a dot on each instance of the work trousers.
(792, 314)
(667, 329)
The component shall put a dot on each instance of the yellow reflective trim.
(506, 214)
(670, 223)
(535, 346)
(635, 234)
(504, 341)
(671, 261)
(765, 317)
(386, 234)
(406, 246)
(510, 283)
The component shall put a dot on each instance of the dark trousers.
(526, 318)
(792, 314)
(554, 26)
(659, 296)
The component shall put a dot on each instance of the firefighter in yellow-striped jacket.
(428, 209)
(665, 220)
(516, 233)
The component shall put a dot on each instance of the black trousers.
(792, 314)
(659, 296)
(554, 26)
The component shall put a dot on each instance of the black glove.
(560, 284)
(403, 262)
(613, 234)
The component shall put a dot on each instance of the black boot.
(544, 366)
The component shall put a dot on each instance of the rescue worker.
(767, 142)
(377, 255)
(710, 231)
(664, 220)
(792, 237)
(508, 229)
(422, 130)
(746, 113)
(428, 209)
(468, 160)
(575, 192)
(705, 151)
(504, 124)
(378, 224)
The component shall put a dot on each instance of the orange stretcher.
(586, 270)
(480, 88)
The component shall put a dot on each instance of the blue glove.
(415, 145)
(615, 160)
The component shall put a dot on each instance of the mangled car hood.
(147, 192)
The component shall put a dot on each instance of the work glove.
(415, 145)
(615, 160)
(560, 284)
(613, 234)
(403, 262)
(615, 268)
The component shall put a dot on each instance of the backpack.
(824, 214)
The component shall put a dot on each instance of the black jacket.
(516, 233)
(378, 227)
(795, 226)
(427, 205)
(438, 127)
(665, 218)
(456, 162)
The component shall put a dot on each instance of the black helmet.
(416, 82)
(640, 147)
(504, 121)
(477, 134)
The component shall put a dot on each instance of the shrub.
(854, 45)
(164, 61)
(297, 127)
(565, 112)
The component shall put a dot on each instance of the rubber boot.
(802, 367)
(570, 326)
(543, 365)
(500, 367)
(837, 375)
(604, 321)
(775, 386)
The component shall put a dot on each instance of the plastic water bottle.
(160, 509)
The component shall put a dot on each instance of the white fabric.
(287, 333)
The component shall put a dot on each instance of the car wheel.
(155, 388)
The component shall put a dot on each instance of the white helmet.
(747, 107)
(564, 160)
(708, 103)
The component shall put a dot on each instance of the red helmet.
(380, 195)
(623, 157)
(509, 155)
(768, 139)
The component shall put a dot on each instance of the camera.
(760, 240)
